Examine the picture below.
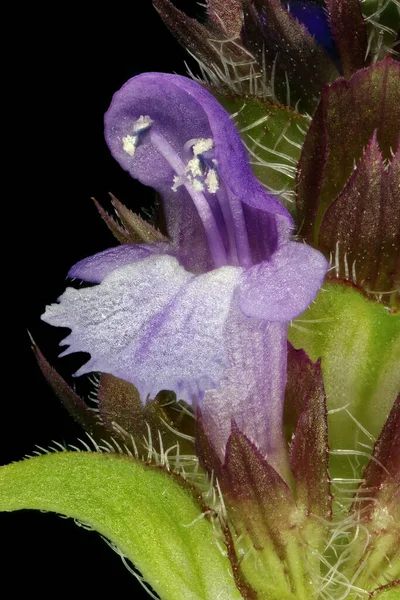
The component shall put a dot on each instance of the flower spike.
(244, 421)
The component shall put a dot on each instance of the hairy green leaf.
(151, 516)
(359, 343)
(273, 135)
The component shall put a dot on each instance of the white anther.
(178, 181)
(143, 122)
(198, 175)
(129, 144)
(202, 145)
(194, 167)
(195, 183)
(212, 181)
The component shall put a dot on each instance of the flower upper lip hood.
(182, 111)
(187, 314)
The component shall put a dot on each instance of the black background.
(72, 62)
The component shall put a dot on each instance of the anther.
(201, 169)
(131, 141)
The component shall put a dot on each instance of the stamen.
(140, 127)
(200, 174)
(223, 202)
(242, 240)
(129, 144)
(197, 185)
(231, 207)
(212, 181)
(142, 124)
(194, 167)
(202, 145)
(201, 166)
(194, 188)
(198, 146)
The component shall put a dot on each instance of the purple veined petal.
(179, 111)
(153, 324)
(233, 163)
(281, 288)
(252, 395)
(95, 268)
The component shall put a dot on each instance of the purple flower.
(204, 315)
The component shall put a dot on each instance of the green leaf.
(359, 343)
(274, 136)
(150, 515)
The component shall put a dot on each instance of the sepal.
(128, 227)
(209, 457)
(278, 528)
(381, 478)
(230, 67)
(144, 429)
(158, 425)
(226, 13)
(74, 404)
(188, 31)
(313, 15)
(391, 591)
(352, 111)
(259, 48)
(261, 508)
(375, 555)
(349, 31)
(293, 62)
(305, 411)
(361, 227)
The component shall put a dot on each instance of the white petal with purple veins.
(152, 323)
